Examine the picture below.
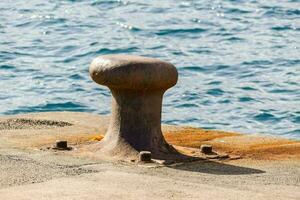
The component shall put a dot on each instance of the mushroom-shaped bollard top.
(133, 72)
(137, 85)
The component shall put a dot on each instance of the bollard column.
(137, 85)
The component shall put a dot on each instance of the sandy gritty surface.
(268, 168)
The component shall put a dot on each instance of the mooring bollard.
(137, 85)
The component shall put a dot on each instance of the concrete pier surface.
(240, 167)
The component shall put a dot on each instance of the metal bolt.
(61, 144)
(206, 149)
(145, 156)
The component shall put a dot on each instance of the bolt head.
(145, 156)
(61, 144)
(206, 149)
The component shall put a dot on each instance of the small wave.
(284, 28)
(220, 123)
(117, 51)
(236, 11)
(188, 96)
(158, 47)
(247, 75)
(248, 88)
(201, 51)
(293, 12)
(206, 69)
(220, 67)
(67, 48)
(214, 83)
(180, 31)
(101, 51)
(289, 62)
(293, 134)
(222, 32)
(282, 91)
(7, 67)
(224, 101)
(193, 69)
(76, 77)
(187, 105)
(257, 62)
(157, 9)
(181, 121)
(215, 92)
(6, 55)
(280, 11)
(296, 119)
(25, 24)
(264, 117)
(246, 99)
(66, 106)
(108, 3)
(235, 39)
(129, 27)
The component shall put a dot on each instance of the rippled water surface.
(238, 60)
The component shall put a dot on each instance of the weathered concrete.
(137, 85)
(268, 167)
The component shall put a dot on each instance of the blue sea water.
(238, 60)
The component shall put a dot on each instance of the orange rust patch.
(246, 146)
(97, 138)
(194, 137)
(277, 150)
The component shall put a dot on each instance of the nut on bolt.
(145, 156)
(206, 149)
(61, 145)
